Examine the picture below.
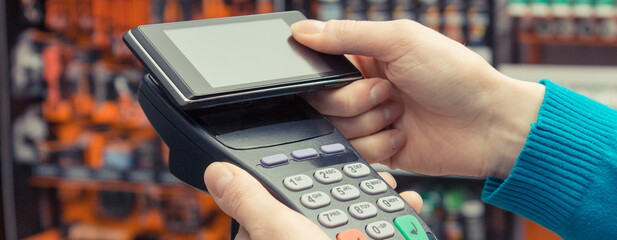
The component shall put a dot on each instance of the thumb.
(384, 41)
(243, 198)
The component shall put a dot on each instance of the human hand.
(260, 215)
(428, 105)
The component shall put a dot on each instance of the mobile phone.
(294, 151)
(211, 62)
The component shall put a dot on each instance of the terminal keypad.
(336, 185)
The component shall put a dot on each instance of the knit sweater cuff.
(555, 167)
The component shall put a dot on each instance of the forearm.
(567, 171)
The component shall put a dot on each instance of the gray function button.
(328, 175)
(332, 148)
(315, 200)
(380, 230)
(356, 170)
(391, 204)
(274, 160)
(345, 192)
(333, 218)
(362, 210)
(373, 186)
(298, 182)
(304, 153)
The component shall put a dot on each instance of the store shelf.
(118, 186)
(50, 234)
(596, 82)
(52, 176)
(530, 38)
(563, 74)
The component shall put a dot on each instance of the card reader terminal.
(295, 152)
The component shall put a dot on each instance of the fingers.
(388, 178)
(229, 186)
(351, 100)
(381, 40)
(369, 66)
(369, 122)
(413, 199)
(381, 146)
(243, 198)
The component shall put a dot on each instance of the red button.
(352, 234)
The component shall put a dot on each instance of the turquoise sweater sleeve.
(565, 178)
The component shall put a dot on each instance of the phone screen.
(209, 62)
(245, 53)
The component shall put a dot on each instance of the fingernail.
(378, 92)
(221, 175)
(308, 27)
(393, 110)
(396, 140)
(387, 114)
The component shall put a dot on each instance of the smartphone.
(205, 63)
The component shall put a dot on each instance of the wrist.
(515, 107)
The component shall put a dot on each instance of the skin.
(428, 105)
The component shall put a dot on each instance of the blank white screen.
(246, 52)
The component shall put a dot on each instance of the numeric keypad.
(354, 181)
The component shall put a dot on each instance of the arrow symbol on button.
(414, 231)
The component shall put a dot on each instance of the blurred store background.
(80, 161)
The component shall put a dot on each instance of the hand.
(429, 105)
(260, 215)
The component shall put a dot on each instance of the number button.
(345, 192)
(315, 200)
(356, 170)
(298, 182)
(391, 204)
(373, 186)
(362, 210)
(333, 218)
(351, 234)
(328, 175)
(380, 230)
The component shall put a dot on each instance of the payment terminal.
(224, 90)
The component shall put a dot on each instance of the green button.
(410, 227)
